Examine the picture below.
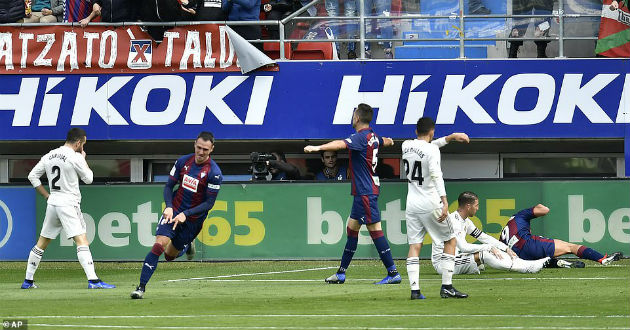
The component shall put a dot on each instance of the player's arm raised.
(34, 176)
(388, 142)
(457, 137)
(330, 146)
(81, 166)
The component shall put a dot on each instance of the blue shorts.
(185, 232)
(365, 209)
(537, 247)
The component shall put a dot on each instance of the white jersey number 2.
(416, 172)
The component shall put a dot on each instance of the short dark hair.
(425, 125)
(364, 112)
(206, 136)
(467, 197)
(321, 153)
(75, 135)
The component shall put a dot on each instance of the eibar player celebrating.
(63, 167)
(363, 147)
(199, 179)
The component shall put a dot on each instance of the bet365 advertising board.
(308, 220)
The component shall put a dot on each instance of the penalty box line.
(250, 274)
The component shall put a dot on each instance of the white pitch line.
(224, 279)
(314, 328)
(251, 274)
(312, 316)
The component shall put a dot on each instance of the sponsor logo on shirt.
(214, 186)
(189, 183)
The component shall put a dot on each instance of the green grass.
(595, 297)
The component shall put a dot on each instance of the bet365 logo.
(140, 54)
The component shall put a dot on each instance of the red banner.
(614, 30)
(99, 49)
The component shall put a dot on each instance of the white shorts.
(70, 218)
(418, 224)
(464, 264)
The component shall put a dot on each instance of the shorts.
(537, 247)
(365, 209)
(185, 232)
(464, 264)
(418, 224)
(70, 218)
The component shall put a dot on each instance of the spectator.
(165, 11)
(76, 10)
(331, 170)
(113, 11)
(277, 10)
(12, 11)
(349, 9)
(46, 11)
(279, 169)
(529, 7)
(211, 10)
(245, 10)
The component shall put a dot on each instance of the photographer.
(273, 166)
(281, 170)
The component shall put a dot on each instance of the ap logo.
(140, 54)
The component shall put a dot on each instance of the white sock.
(413, 271)
(85, 259)
(33, 262)
(448, 267)
(528, 266)
(506, 263)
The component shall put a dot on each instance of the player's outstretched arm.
(540, 210)
(458, 137)
(388, 142)
(330, 146)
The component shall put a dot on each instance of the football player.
(63, 167)
(363, 147)
(199, 179)
(517, 235)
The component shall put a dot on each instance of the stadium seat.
(313, 51)
(272, 49)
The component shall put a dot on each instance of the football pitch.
(293, 295)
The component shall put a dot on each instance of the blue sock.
(348, 251)
(150, 263)
(588, 253)
(384, 251)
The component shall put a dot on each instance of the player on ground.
(199, 179)
(517, 235)
(63, 167)
(469, 258)
(427, 207)
(363, 147)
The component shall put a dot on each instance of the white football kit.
(63, 167)
(426, 185)
(464, 254)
